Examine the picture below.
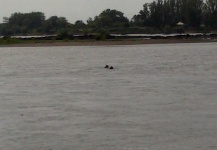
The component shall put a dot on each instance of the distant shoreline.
(109, 42)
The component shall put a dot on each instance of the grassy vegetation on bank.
(103, 38)
(10, 41)
(43, 43)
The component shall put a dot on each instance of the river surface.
(157, 97)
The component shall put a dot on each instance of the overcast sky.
(71, 9)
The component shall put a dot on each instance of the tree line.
(194, 14)
(155, 17)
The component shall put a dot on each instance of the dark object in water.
(111, 67)
(107, 66)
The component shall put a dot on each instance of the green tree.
(5, 19)
(22, 23)
(79, 24)
(195, 12)
(161, 13)
(143, 18)
(110, 19)
(54, 24)
(210, 13)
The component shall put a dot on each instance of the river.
(157, 97)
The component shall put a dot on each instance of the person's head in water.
(107, 66)
(111, 67)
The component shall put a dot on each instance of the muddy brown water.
(157, 97)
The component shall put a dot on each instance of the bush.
(100, 37)
(167, 29)
(179, 29)
(8, 40)
(64, 35)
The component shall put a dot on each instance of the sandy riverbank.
(108, 42)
